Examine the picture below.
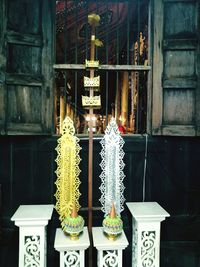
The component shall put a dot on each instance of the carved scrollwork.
(72, 258)
(32, 251)
(110, 259)
(148, 248)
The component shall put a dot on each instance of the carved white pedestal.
(32, 221)
(109, 252)
(147, 217)
(72, 252)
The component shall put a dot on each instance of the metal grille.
(124, 62)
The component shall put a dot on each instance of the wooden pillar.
(124, 97)
(62, 108)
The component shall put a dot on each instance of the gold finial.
(93, 19)
(113, 212)
(74, 213)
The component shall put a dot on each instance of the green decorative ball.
(73, 225)
(112, 226)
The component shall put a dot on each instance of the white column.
(147, 217)
(109, 251)
(32, 221)
(72, 252)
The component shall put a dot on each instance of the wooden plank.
(48, 53)
(180, 82)
(24, 39)
(180, 20)
(182, 1)
(24, 128)
(29, 69)
(103, 67)
(157, 99)
(181, 67)
(2, 65)
(2, 108)
(24, 104)
(179, 106)
(23, 79)
(179, 63)
(179, 44)
(197, 103)
(178, 130)
(23, 59)
(24, 16)
(149, 79)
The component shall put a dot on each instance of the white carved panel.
(111, 258)
(72, 258)
(148, 249)
(32, 251)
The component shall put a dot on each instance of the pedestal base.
(147, 217)
(32, 221)
(109, 251)
(72, 252)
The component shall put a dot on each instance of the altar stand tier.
(32, 221)
(108, 251)
(72, 252)
(146, 221)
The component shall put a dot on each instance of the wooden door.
(26, 74)
(176, 68)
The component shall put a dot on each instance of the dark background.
(27, 176)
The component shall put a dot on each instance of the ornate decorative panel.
(32, 251)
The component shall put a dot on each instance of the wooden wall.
(27, 166)
(175, 61)
(26, 59)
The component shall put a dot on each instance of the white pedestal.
(147, 217)
(32, 221)
(72, 252)
(109, 251)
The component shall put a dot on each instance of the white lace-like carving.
(112, 166)
(148, 248)
(111, 258)
(72, 259)
(32, 251)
